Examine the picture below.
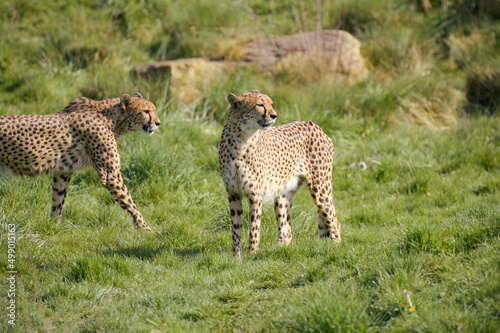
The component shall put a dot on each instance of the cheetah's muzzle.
(149, 129)
(264, 124)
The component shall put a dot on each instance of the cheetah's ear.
(137, 94)
(125, 99)
(233, 100)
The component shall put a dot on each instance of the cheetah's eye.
(146, 111)
(261, 105)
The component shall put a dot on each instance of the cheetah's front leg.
(236, 208)
(255, 218)
(107, 164)
(60, 185)
(113, 182)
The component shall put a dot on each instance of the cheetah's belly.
(74, 160)
(291, 186)
(267, 182)
(63, 157)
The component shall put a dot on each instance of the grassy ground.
(420, 225)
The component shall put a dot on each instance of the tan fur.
(83, 135)
(262, 163)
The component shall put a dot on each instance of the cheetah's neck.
(244, 137)
(114, 113)
(110, 110)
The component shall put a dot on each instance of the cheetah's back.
(296, 149)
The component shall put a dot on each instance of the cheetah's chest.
(248, 173)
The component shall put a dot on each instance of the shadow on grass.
(112, 267)
(149, 253)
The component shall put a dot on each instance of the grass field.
(420, 247)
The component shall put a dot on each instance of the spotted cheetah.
(82, 135)
(266, 163)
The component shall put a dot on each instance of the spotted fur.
(264, 163)
(83, 135)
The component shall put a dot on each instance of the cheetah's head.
(253, 111)
(140, 114)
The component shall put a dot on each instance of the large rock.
(186, 76)
(332, 51)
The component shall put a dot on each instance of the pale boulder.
(186, 77)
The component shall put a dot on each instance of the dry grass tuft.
(229, 49)
(461, 49)
(434, 113)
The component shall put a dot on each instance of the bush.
(483, 91)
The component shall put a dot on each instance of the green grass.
(420, 247)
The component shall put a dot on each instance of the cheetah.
(83, 135)
(265, 163)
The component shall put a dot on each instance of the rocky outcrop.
(330, 53)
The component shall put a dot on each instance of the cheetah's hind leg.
(60, 185)
(328, 225)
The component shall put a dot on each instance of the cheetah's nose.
(157, 123)
(273, 116)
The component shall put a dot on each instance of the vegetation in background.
(420, 224)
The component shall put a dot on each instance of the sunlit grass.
(420, 225)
